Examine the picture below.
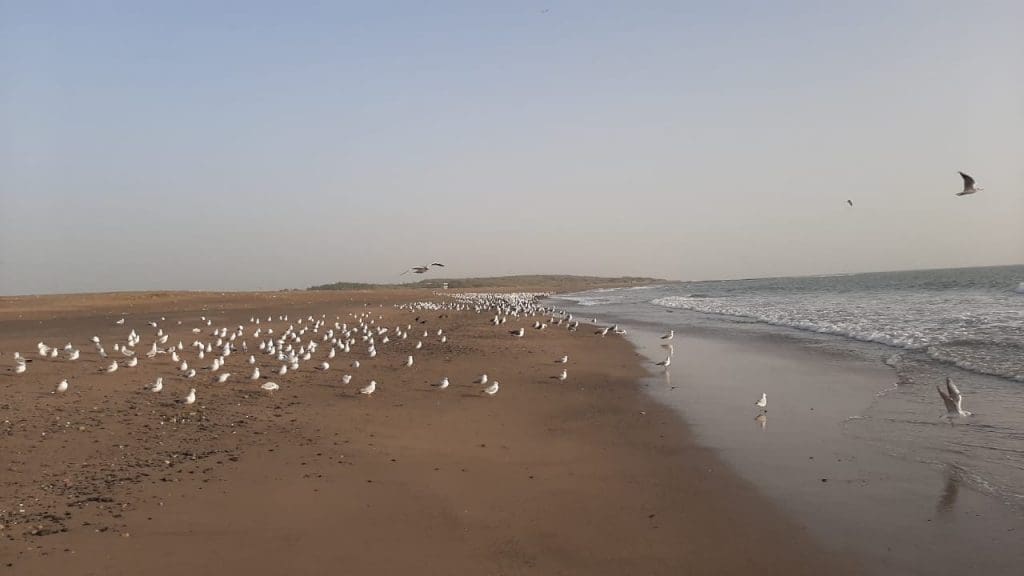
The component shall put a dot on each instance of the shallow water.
(853, 362)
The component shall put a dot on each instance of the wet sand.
(587, 476)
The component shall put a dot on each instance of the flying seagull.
(953, 400)
(969, 185)
(422, 269)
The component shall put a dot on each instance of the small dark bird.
(850, 202)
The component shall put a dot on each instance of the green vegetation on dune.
(537, 282)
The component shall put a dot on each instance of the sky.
(266, 145)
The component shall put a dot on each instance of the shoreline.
(817, 453)
(585, 476)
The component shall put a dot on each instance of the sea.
(909, 331)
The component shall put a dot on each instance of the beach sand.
(586, 476)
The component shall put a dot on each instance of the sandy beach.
(585, 476)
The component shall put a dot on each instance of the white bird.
(270, 386)
(191, 373)
(282, 370)
(120, 322)
(112, 367)
(408, 361)
(63, 386)
(369, 388)
(969, 186)
(157, 386)
(443, 383)
(562, 360)
(255, 373)
(184, 366)
(20, 368)
(355, 364)
(563, 375)
(325, 366)
(252, 359)
(345, 379)
(419, 344)
(953, 400)
(666, 362)
(518, 333)
(762, 403)
(191, 398)
(223, 377)
(74, 355)
(132, 362)
(481, 379)
(492, 389)
(671, 334)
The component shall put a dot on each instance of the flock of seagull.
(310, 336)
(309, 340)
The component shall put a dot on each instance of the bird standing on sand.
(953, 400)
(223, 377)
(762, 403)
(562, 360)
(666, 362)
(443, 383)
(346, 378)
(369, 388)
(270, 386)
(62, 387)
(157, 386)
(492, 389)
(481, 379)
(671, 334)
(191, 398)
(408, 362)
(518, 333)
(563, 375)
(112, 367)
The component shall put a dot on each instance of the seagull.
(443, 383)
(671, 334)
(481, 379)
(850, 202)
(492, 389)
(112, 367)
(120, 322)
(132, 362)
(270, 386)
(63, 386)
(666, 362)
(255, 373)
(191, 398)
(563, 375)
(518, 333)
(157, 386)
(369, 388)
(20, 368)
(763, 402)
(969, 185)
(953, 400)
(191, 373)
(325, 366)
(345, 379)
(408, 361)
(223, 377)
(282, 370)
(562, 360)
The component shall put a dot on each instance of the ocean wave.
(979, 342)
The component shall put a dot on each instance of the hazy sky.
(252, 145)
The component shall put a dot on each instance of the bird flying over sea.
(969, 185)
